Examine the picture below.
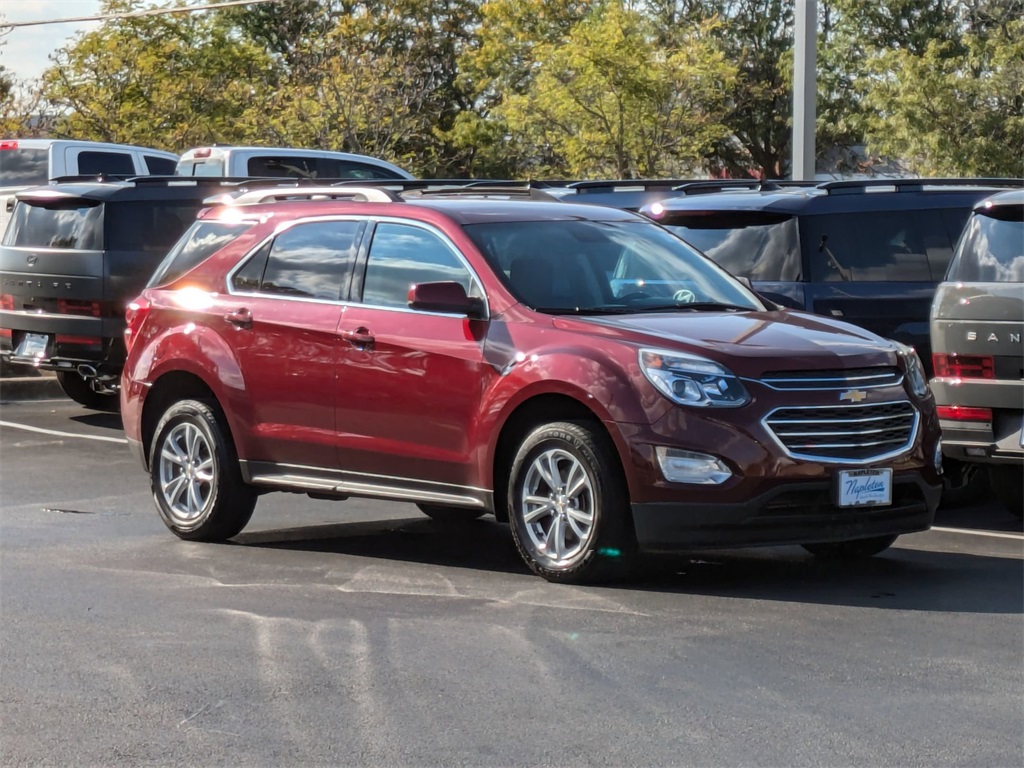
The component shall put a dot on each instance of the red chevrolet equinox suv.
(576, 371)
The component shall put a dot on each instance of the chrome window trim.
(285, 225)
(451, 246)
(903, 449)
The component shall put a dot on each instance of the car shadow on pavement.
(899, 579)
(100, 420)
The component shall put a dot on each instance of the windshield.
(604, 266)
(24, 167)
(751, 244)
(992, 248)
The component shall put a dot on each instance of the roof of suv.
(842, 196)
(1011, 197)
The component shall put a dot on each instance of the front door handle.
(360, 338)
(240, 318)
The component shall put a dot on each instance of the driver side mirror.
(447, 297)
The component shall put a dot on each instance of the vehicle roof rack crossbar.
(583, 187)
(855, 186)
(355, 194)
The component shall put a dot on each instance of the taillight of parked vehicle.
(134, 317)
(964, 413)
(6, 302)
(956, 366)
(75, 307)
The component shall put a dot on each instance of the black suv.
(74, 253)
(869, 252)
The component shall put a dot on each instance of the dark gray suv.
(977, 325)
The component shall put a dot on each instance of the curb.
(30, 388)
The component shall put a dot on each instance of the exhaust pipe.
(87, 371)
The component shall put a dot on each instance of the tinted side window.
(312, 260)
(760, 245)
(201, 241)
(151, 226)
(77, 226)
(160, 166)
(248, 278)
(286, 167)
(105, 162)
(875, 246)
(347, 169)
(401, 257)
(24, 167)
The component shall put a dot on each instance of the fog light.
(937, 458)
(688, 467)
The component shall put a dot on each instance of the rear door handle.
(360, 338)
(240, 318)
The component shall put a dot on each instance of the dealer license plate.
(33, 345)
(864, 487)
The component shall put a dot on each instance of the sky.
(26, 50)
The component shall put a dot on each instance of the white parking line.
(58, 433)
(990, 534)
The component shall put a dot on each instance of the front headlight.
(691, 380)
(915, 369)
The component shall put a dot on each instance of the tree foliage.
(555, 87)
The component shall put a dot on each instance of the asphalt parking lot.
(362, 633)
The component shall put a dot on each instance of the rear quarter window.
(160, 166)
(73, 225)
(201, 241)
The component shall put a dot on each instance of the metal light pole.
(805, 88)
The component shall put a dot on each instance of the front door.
(410, 382)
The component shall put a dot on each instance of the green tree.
(168, 81)
(957, 107)
(610, 101)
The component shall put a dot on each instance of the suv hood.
(749, 343)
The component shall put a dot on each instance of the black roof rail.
(583, 187)
(858, 186)
(404, 185)
(526, 190)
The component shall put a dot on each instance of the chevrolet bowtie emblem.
(853, 395)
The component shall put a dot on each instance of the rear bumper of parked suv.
(791, 513)
(73, 341)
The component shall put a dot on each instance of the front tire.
(568, 505)
(81, 391)
(856, 549)
(196, 481)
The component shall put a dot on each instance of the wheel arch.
(170, 388)
(526, 416)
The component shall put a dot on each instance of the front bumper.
(791, 513)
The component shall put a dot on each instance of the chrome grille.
(845, 433)
(859, 378)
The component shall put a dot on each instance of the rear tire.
(568, 505)
(79, 390)
(855, 549)
(196, 481)
(450, 515)
(1007, 481)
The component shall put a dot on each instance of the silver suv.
(977, 324)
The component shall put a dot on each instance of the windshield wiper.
(622, 309)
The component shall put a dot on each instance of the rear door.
(281, 318)
(877, 269)
(410, 381)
